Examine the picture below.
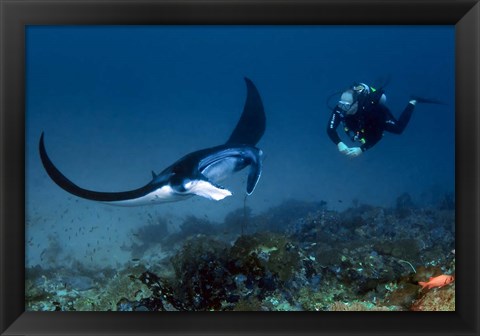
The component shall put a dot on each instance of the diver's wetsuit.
(368, 124)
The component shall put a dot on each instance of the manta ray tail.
(251, 126)
(67, 185)
(254, 174)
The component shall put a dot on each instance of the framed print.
(279, 161)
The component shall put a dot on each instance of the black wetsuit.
(368, 124)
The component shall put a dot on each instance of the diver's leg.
(398, 126)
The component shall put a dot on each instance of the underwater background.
(320, 231)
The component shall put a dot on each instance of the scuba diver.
(365, 117)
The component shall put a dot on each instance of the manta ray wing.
(63, 182)
(252, 123)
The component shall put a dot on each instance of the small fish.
(438, 281)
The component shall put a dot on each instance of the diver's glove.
(354, 152)
(342, 148)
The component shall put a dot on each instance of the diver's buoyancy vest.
(356, 127)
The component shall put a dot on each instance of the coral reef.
(358, 306)
(297, 256)
(441, 299)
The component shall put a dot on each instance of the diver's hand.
(342, 148)
(350, 152)
(354, 152)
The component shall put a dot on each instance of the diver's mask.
(347, 103)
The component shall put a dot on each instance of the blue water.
(116, 103)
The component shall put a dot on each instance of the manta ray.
(197, 173)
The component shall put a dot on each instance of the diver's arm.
(332, 125)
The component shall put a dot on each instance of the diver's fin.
(251, 125)
(424, 100)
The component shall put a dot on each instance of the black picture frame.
(15, 15)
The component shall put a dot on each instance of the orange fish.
(438, 281)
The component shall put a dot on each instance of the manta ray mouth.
(207, 190)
